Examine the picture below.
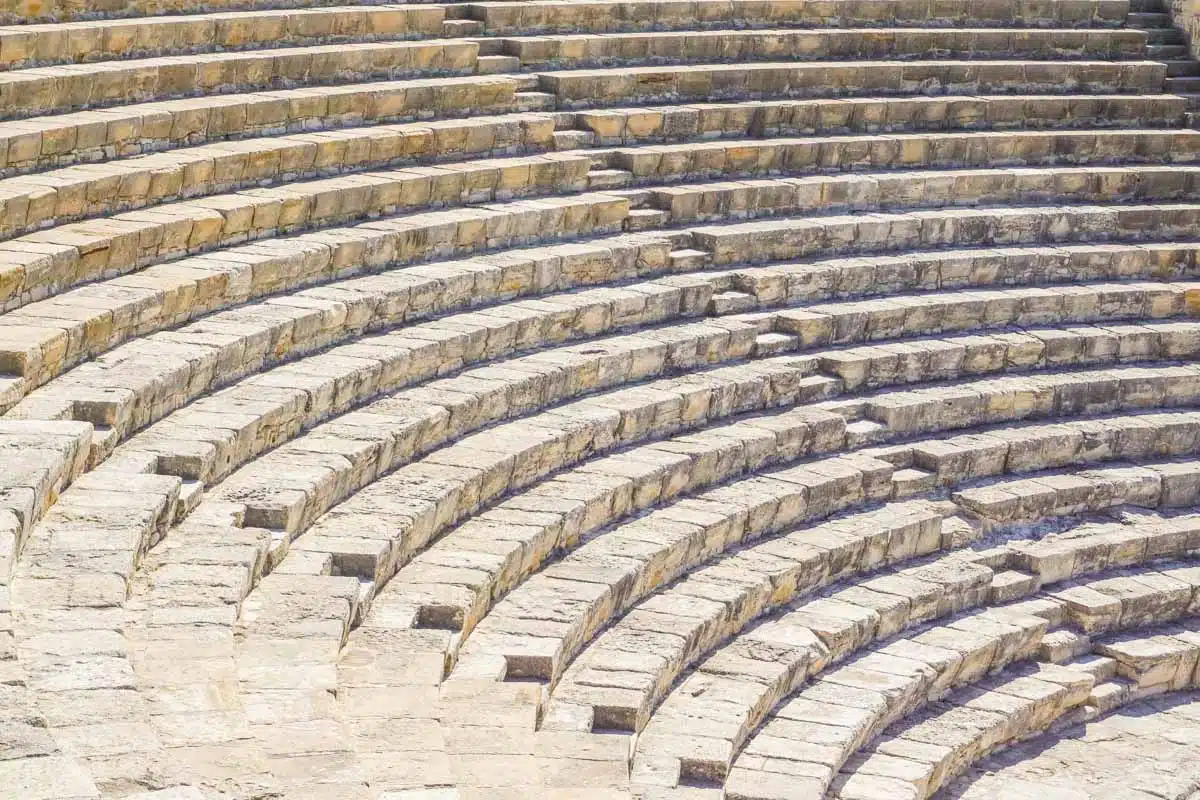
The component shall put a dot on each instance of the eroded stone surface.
(598, 400)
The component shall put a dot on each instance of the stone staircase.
(593, 399)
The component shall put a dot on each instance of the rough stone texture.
(598, 400)
(1146, 749)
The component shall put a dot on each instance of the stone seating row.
(618, 126)
(358, 448)
(600, 87)
(277, 405)
(636, 12)
(44, 338)
(35, 201)
(98, 405)
(109, 39)
(89, 136)
(187, 445)
(953, 150)
(582, 50)
(49, 89)
(766, 576)
(367, 497)
(439, 588)
(920, 756)
(86, 190)
(170, 294)
(1029, 500)
(38, 348)
(153, 377)
(1062, 555)
(270, 600)
(100, 134)
(596, 424)
(38, 201)
(76, 252)
(965, 727)
(736, 687)
(39, 264)
(123, 38)
(823, 736)
(546, 16)
(783, 239)
(728, 689)
(587, 587)
(759, 197)
(872, 366)
(1126, 599)
(43, 90)
(58, 332)
(40, 459)
(831, 279)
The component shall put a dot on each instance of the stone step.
(573, 140)
(1164, 36)
(460, 27)
(496, 64)
(601, 179)
(1145, 19)
(1102, 546)
(535, 101)
(1185, 85)
(689, 259)
(41, 459)
(1063, 646)
(1167, 51)
(1181, 69)
(1155, 661)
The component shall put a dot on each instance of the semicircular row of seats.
(606, 398)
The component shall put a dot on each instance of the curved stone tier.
(596, 399)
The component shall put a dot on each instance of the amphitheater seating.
(599, 399)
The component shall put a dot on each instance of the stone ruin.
(599, 400)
